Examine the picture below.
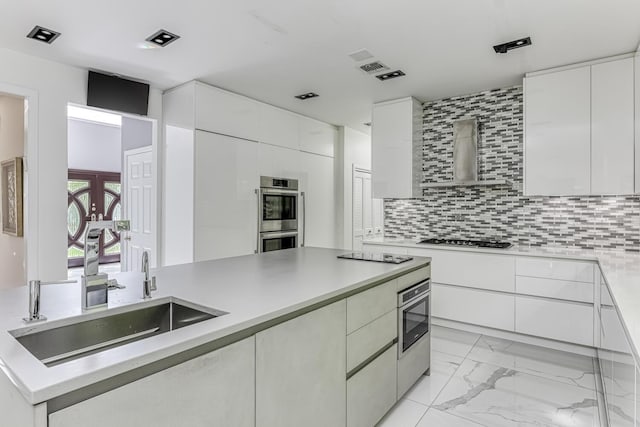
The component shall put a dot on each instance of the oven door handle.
(259, 219)
(304, 218)
(277, 234)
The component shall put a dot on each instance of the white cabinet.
(551, 268)
(372, 391)
(396, 140)
(317, 137)
(579, 130)
(557, 133)
(559, 320)
(613, 336)
(226, 177)
(301, 371)
(214, 389)
(637, 121)
(475, 306)
(476, 270)
(557, 289)
(219, 111)
(612, 127)
(316, 180)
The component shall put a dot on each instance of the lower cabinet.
(301, 370)
(215, 389)
(559, 320)
(371, 392)
(485, 308)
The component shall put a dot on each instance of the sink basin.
(65, 340)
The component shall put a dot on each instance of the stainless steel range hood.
(465, 158)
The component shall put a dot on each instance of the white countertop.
(252, 289)
(620, 269)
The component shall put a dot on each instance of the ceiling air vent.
(373, 67)
(361, 55)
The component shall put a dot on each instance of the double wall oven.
(279, 207)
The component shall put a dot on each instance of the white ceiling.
(272, 50)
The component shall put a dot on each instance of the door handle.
(127, 238)
(304, 217)
(259, 199)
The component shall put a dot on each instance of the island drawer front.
(558, 320)
(215, 385)
(366, 341)
(552, 288)
(367, 306)
(372, 391)
(414, 277)
(474, 270)
(549, 268)
(492, 309)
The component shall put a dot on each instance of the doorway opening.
(13, 191)
(111, 176)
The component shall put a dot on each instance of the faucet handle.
(153, 283)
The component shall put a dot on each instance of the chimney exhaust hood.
(465, 158)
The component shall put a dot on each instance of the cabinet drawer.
(413, 278)
(552, 288)
(613, 336)
(475, 270)
(549, 268)
(491, 309)
(564, 321)
(372, 391)
(364, 342)
(367, 306)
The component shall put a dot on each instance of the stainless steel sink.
(64, 340)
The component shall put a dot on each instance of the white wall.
(12, 259)
(94, 146)
(354, 148)
(54, 85)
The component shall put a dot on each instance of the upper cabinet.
(579, 130)
(396, 145)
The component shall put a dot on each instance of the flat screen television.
(116, 93)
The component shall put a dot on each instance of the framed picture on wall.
(11, 192)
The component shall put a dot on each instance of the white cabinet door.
(358, 209)
(278, 127)
(395, 134)
(372, 391)
(551, 268)
(316, 180)
(474, 306)
(612, 127)
(226, 206)
(301, 371)
(367, 205)
(317, 137)
(212, 390)
(227, 113)
(278, 162)
(637, 121)
(559, 320)
(557, 133)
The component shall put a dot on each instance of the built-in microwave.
(414, 320)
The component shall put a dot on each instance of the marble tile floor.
(477, 380)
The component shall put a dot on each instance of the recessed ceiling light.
(162, 38)
(391, 75)
(515, 44)
(307, 96)
(43, 34)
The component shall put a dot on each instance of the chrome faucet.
(148, 284)
(95, 285)
(34, 300)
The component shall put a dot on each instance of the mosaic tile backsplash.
(611, 222)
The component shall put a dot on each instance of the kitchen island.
(298, 324)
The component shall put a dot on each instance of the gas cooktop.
(494, 244)
(368, 256)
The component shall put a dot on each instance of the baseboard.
(514, 336)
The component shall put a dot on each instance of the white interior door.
(139, 206)
(368, 213)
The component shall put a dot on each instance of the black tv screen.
(115, 93)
